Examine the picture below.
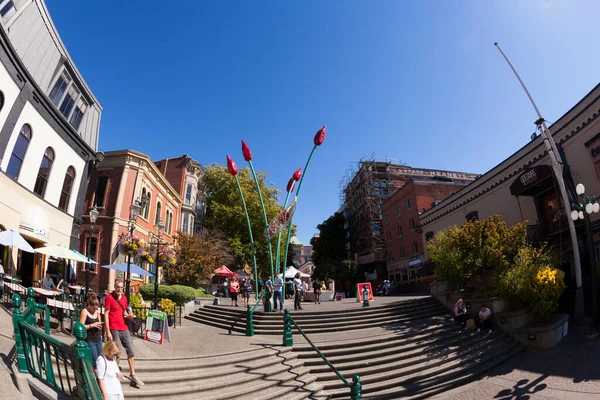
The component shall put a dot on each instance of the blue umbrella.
(133, 268)
(82, 255)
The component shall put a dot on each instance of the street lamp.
(93, 217)
(134, 211)
(591, 206)
(160, 227)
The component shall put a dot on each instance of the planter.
(437, 288)
(171, 320)
(511, 321)
(495, 304)
(544, 337)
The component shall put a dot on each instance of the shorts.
(233, 296)
(246, 294)
(123, 340)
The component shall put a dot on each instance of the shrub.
(179, 294)
(137, 304)
(167, 306)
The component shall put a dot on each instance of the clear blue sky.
(415, 81)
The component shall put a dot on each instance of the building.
(123, 177)
(49, 127)
(185, 175)
(363, 191)
(523, 188)
(302, 253)
(401, 225)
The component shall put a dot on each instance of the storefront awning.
(532, 181)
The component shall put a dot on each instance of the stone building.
(49, 127)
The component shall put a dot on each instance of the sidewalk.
(7, 343)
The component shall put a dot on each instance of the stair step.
(219, 324)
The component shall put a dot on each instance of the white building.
(49, 125)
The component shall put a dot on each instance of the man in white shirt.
(297, 292)
(485, 319)
(47, 282)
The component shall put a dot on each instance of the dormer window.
(67, 97)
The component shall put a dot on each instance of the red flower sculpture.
(231, 167)
(320, 136)
(246, 151)
(297, 174)
(291, 184)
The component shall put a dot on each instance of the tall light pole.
(93, 217)
(159, 228)
(134, 211)
(557, 167)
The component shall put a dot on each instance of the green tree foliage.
(329, 251)
(224, 213)
(474, 247)
(179, 294)
(197, 257)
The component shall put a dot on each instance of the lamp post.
(159, 228)
(134, 211)
(590, 206)
(93, 217)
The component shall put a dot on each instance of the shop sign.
(530, 178)
(156, 328)
(414, 262)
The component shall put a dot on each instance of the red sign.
(154, 336)
(361, 287)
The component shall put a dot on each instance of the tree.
(224, 213)
(329, 250)
(197, 258)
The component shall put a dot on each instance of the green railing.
(288, 340)
(250, 311)
(64, 368)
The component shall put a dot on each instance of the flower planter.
(437, 288)
(495, 304)
(511, 321)
(544, 337)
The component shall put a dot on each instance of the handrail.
(249, 312)
(355, 387)
(262, 294)
(28, 311)
(92, 392)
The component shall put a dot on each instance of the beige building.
(523, 187)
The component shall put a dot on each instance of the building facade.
(302, 253)
(121, 178)
(401, 225)
(49, 126)
(523, 188)
(185, 175)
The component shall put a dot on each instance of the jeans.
(297, 298)
(277, 296)
(96, 347)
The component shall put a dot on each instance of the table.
(47, 292)
(14, 288)
(64, 305)
(76, 288)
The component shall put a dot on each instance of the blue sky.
(419, 81)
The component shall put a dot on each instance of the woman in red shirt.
(234, 289)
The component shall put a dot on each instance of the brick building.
(401, 225)
(123, 177)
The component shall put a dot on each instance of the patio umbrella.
(14, 239)
(133, 268)
(86, 259)
(60, 251)
(224, 271)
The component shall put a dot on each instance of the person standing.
(115, 307)
(234, 289)
(268, 288)
(109, 373)
(277, 292)
(297, 292)
(317, 290)
(304, 289)
(90, 318)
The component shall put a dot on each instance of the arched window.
(44, 172)
(158, 210)
(147, 209)
(67, 187)
(1, 100)
(18, 153)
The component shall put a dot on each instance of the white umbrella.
(14, 239)
(60, 251)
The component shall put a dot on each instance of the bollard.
(288, 339)
(83, 353)
(31, 305)
(356, 388)
(249, 323)
(18, 317)
(267, 303)
(365, 297)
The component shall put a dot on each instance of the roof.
(295, 241)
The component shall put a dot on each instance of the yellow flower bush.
(167, 306)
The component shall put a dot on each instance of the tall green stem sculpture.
(248, 157)
(278, 248)
(233, 170)
(289, 189)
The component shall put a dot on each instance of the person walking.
(245, 288)
(297, 292)
(115, 306)
(277, 292)
(90, 318)
(317, 290)
(234, 289)
(109, 373)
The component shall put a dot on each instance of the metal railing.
(64, 368)
(250, 311)
(288, 340)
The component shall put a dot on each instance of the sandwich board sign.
(156, 328)
(359, 291)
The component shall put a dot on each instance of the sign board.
(530, 178)
(414, 261)
(359, 291)
(156, 327)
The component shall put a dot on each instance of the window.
(188, 194)
(429, 236)
(415, 248)
(158, 211)
(18, 153)
(69, 101)
(412, 224)
(472, 216)
(402, 252)
(387, 218)
(146, 211)
(389, 236)
(168, 222)
(397, 212)
(186, 220)
(1, 100)
(65, 194)
(44, 172)
(7, 10)
(191, 227)
(60, 87)
(67, 97)
(100, 191)
(91, 246)
(399, 230)
(77, 115)
(409, 203)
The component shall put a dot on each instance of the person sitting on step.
(485, 319)
(460, 313)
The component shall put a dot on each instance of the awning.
(133, 268)
(532, 181)
(224, 271)
(291, 273)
